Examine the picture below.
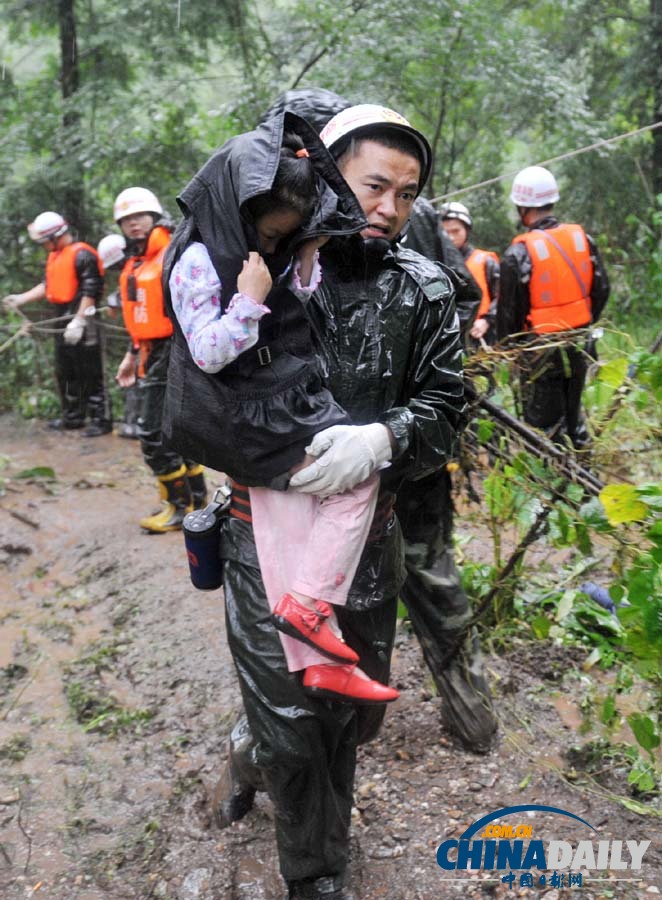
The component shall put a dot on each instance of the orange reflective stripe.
(476, 262)
(557, 301)
(61, 278)
(142, 293)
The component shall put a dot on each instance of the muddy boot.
(196, 480)
(466, 710)
(240, 778)
(231, 799)
(176, 502)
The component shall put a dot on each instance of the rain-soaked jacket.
(424, 235)
(392, 354)
(253, 419)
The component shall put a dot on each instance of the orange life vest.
(61, 279)
(476, 265)
(558, 300)
(141, 291)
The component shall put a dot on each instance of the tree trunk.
(656, 56)
(72, 190)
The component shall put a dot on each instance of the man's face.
(456, 231)
(385, 182)
(137, 226)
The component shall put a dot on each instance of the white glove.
(348, 454)
(74, 330)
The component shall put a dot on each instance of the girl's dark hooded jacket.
(253, 418)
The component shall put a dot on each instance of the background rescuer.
(73, 284)
(181, 483)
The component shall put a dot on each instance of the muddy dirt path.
(117, 694)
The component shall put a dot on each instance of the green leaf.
(613, 372)
(485, 430)
(565, 605)
(608, 710)
(37, 472)
(644, 731)
(540, 627)
(621, 504)
(642, 777)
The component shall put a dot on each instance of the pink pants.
(312, 546)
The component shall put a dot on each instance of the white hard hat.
(47, 226)
(454, 210)
(534, 186)
(111, 249)
(136, 200)
(358, 121)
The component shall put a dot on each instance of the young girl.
(241, 313)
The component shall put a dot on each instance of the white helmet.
(454, 210)
(47, 226)
(534, 186)
(111, 250)
(356, 121)
(136, 200)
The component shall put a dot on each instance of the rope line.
(546, 162)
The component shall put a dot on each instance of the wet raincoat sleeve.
(513, 306)
(90, 279)
(426, 427)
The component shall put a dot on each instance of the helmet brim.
(364, 132)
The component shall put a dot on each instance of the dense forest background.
(96, 96)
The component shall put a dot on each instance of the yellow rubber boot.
(196, 481)
(175, 500)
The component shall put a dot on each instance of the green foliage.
(16, 748)
(97, 711)
(28, 382)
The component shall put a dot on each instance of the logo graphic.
(488, 845)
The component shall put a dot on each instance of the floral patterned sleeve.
(304, 292)
(215, 338)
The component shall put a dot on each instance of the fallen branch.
(537, 528)
(538, 443)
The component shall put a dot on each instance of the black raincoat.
(253, 419)
(425, 235)
(392, 354)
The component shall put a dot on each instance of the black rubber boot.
(196, 480)
(98, 427)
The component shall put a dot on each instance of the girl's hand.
(254, 279)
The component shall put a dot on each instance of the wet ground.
(117, 694)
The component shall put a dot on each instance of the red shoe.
(309, 625)
(344, 684)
